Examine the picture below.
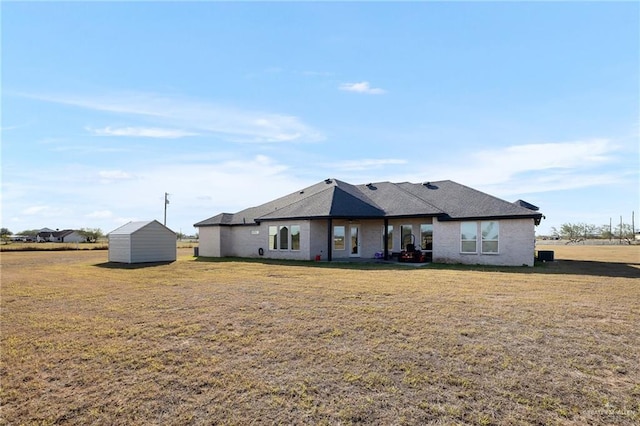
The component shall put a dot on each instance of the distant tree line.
(90, 234)
(574, 231)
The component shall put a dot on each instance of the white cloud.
(45, 211)
(107, 176)
(530, 168)
(362, 87)
(194, 117)
(147, 132)
(100, 214)
(364, 164)
(34, 210)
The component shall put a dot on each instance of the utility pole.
(166, 202)
(620, 229)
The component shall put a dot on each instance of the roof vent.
(429, 185)
(302, 192)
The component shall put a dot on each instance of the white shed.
(138, 242)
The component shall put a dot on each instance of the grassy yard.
(248, 342)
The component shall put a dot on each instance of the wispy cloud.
(193, 116)
(364, 164)
(532, 168)
(100, 214)
(45, 211)
(310, 73)
(108, 176)
(362, 87)
(147, 132)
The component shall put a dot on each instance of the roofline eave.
(447, 218)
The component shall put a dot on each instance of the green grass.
(234, 341)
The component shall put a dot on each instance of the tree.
(29, 232)
(589, 231)
(623, 231)
(5, 233)
(605, 232)
(570, 231)
(91, 234)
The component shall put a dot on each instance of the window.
(338, 238)
(273, 238)
(426, 236)
(295, 237)
(389, 237)
(284, 238)
(490, 233)
(468, 237)
(406, 235)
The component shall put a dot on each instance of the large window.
(490, 236)
(389, 237)
(468, 237)
(406, 236)
(426, 236)
(338, 238)
(295, 237)
(284, 237)
(273, 238)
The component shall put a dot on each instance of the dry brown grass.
(100, 245)
(239, 342)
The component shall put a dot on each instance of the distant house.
(64, 236)
(139, 242)
(334, 220)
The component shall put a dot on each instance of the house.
(139, 242)
(334, 220)
(64, 236)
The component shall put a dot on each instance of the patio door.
(354, 232)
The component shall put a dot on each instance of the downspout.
(329, 232)
(386, 239)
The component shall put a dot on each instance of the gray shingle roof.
(132, 227)
(333, 198)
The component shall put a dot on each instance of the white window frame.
(286, 240)
(273, 237)
(344, 237)
(278, 241)
(475, 235)
(483, 239)
(430, 225)
(298, 233)
(403, 228)
(390, 235)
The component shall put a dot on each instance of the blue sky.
(107, 106)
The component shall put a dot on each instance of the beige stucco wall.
(318, 239)
(516, 244)
(209, 241)
(246, 241)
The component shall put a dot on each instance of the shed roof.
(133, 227)
(333, 198)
